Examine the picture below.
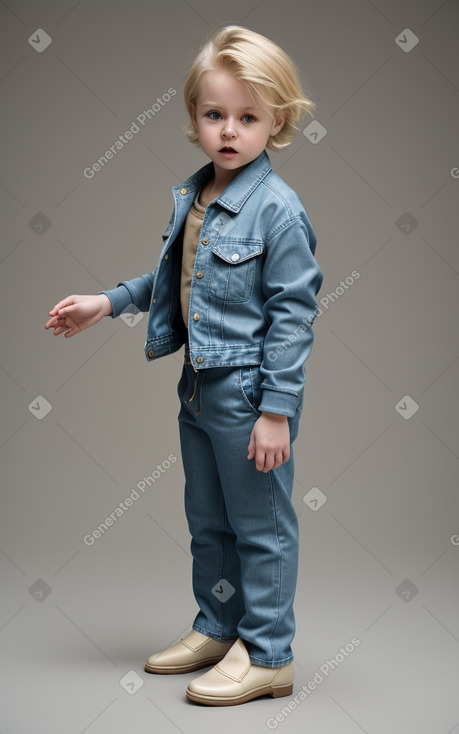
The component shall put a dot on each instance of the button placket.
(199, 275)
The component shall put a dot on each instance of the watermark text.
(122, 507)
(319, 676)
(90, 171)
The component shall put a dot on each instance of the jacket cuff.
(120, 299)
(274, 401)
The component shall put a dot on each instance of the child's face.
(226, 116)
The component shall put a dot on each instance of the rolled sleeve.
(136, 291)
(274, 401)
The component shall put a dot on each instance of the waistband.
(226, 355)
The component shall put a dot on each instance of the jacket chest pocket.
(233, 273)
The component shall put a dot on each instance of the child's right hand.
(76, 313)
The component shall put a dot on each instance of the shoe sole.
(275, 692)
(171, 669)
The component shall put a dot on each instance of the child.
(236, 283)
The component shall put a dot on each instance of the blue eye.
(214, 115)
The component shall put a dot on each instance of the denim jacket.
(254, 285)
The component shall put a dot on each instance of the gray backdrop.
(87, 420)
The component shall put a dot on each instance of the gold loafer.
(194, 651)
(235, 680)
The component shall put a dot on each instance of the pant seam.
(279, 587)
(221, 569)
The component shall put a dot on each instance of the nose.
(229, 129)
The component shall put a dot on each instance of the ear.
(278, 124)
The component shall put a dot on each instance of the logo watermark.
(128, 135)
(122, 507)
(318, 678)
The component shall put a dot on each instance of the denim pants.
(243, 526)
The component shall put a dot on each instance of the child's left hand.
(270, 441)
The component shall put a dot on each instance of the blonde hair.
(262, 66)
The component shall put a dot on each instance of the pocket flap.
(235, 253)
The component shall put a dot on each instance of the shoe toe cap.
(170, 656)
(154, 659)
(211, 684)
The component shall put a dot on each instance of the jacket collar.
(242, 185)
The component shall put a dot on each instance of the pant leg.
(258, 507)
(216, 571)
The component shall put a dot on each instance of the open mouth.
(227, 149)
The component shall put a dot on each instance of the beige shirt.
(193, 224)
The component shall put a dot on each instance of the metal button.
(235, 257)
(151, 353)
(183, 191)
(199, 274)
(199, 360)
(196, 316)
(166, 257)
(154, 300)
(205, 241)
